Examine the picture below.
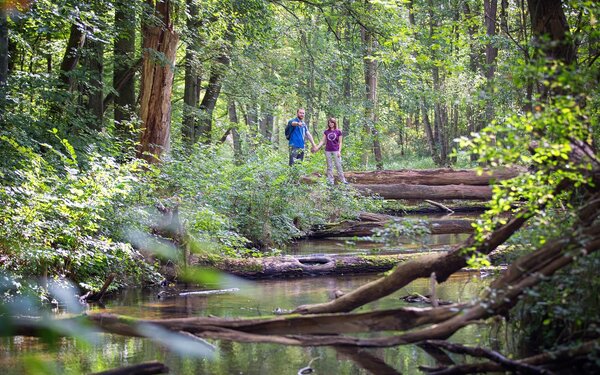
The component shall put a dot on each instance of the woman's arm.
(317, 147)
(341, 139)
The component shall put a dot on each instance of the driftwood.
(369, 222)
(442, 176)
(410, 191)
(148, 368)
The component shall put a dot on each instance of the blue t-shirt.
(298, 132)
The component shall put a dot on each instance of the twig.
(439, 205)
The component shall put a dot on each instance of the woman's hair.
(332, 119)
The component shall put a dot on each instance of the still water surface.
(259, 298)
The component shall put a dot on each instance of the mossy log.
(409, 191)
(437, 177)
(366, 223)
(315, 265)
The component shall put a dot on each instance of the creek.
(243, 298)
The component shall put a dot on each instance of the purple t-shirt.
(333, 139)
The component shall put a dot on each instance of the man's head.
(300, 113)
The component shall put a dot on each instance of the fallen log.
(148, 368)
(306, 266)
(366, 225)
(442, 176)
(410, 191)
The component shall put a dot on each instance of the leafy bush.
(56, 218)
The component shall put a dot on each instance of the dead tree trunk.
(157, 82)
(411, 191)
(366, 225)
(443, 176)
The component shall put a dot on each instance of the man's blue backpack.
(288, 130)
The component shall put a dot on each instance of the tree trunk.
(211, 95)
(410, 191)
(157, 82)
(94, 62)
(370, 69)
(347, 98)
(491, 53)
(235, 134)
(3, 47)
(193, 78)
(366, 226)
(431, 141)
(548, 21)
(306, 266)
(124, 55)
(443, 176)
(71, 57)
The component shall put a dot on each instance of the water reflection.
(259, 299)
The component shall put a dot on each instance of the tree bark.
(367, 223)
(443, 176)
(124, 54)
(157, 82)
(193, 78)
(211, 95)
(548, 20)
(411, 191)
(370, 71)
(491, 52)
(94, 62)
(306, 266)
(235, 134)
(71, 57)
(3, 46)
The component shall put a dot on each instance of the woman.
(332, 138)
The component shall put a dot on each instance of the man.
(299, 131)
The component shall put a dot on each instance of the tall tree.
(72, 53)
(94, 61)
(209, 101)
(3, 46)
(193, 76)
(370, 71)
(157, 82)
(235, 133)
(550, 30)
(491, 52)
(124, 53)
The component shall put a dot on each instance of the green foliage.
(56, 219)
(565, 306)
(259, 204)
